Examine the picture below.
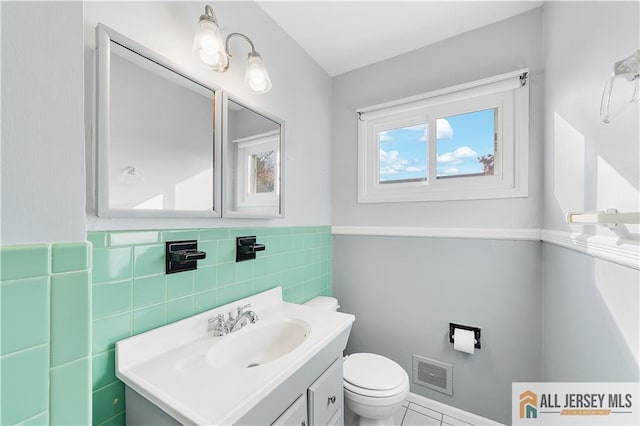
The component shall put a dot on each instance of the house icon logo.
(528, 405)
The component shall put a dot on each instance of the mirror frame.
(226, 144)
(104, 37)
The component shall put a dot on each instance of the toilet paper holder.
(476, 332)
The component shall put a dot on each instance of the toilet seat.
(374, 376)
(373, 393)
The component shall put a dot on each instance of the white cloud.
(384, 136)
(450, 171)
(391, 162)
(443, 129)
(465, 152)
(413, 169)
(456, 156)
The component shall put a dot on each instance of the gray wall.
(405, 291)
(589, 165)
(42, 129)
(590, 307)
(494, 49)
(590, 318)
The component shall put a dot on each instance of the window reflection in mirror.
(156, 136)
(252, 158)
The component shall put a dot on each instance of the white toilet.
(374, 386)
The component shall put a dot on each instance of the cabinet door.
(326, 397)
(295, 415)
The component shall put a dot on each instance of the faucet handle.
(220, 327)
(239, 311)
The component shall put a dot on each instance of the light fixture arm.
(209, 15)
(215, 54)
(248, 40)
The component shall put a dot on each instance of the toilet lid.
(374, 372)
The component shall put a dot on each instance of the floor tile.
(425, 411)
(453, 421)
(413, 418)
(399, 416)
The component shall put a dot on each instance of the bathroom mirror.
(157, 154)
(252, 156)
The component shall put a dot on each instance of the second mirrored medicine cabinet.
(170, 145)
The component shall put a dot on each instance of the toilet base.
(374, 415)
(352, 419)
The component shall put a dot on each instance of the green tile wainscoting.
(45, 343)
(132, 293)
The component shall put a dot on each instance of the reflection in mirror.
(155, 139)
(252, 160)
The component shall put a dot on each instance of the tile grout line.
(111, 418)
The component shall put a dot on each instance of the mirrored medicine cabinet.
(170, 145)
(251, 152)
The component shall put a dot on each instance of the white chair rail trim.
(532, 234)
(622, 252)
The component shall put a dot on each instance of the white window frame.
(246, 148)
(507, 92)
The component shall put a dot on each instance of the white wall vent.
(433, 374)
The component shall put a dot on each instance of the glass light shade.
(256, 76)
(208, 43)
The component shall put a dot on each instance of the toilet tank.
(323, 302)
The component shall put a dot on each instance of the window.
(464, 142)
(257, 160)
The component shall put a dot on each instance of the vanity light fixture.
(131, 176)
(215, 54)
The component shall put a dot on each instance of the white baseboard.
(453, 412)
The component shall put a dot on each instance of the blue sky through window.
(460, 140)
(403, 153)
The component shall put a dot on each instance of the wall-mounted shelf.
(610, 218)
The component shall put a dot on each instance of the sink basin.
(184, 370)
(258, 344)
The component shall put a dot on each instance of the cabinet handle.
(332, 400)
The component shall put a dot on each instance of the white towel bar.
(609, 217)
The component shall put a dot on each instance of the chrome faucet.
(241, 318)
(219, 325)
(235, 322)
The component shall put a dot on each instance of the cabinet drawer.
(325, 396)
(295, 415)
